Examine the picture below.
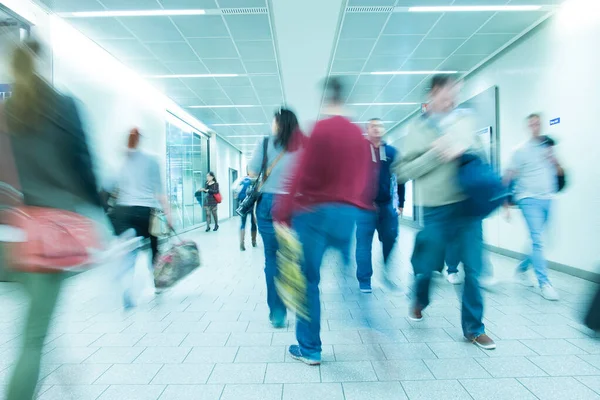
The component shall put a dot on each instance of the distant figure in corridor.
(277, 155)
(534, 170)
(384, 219)
(210, 190)
(431, 149)
(331, 185)
(241, 189)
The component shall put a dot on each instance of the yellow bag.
(290, 280)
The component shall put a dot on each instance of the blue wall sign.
(555, 121)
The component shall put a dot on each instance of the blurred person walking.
(139, 193)
(211, 204)
(331, 185)
(431, 149)
(275, 157)
(241, 189)
(534, 170)
(55, 171)
(384, 219)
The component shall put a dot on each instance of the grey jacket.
(53, 161)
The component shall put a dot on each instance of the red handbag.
(218, 198)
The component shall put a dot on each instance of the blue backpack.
(482, 185)
(246, 182)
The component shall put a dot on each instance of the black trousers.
(138, 219)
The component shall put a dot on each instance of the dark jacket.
(209, 199)
(383, 157)
(53, 159)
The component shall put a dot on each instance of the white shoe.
(454, 279)
(487, 283)
(549, 293)
(523, 279)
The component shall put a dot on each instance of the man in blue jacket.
(385, 217)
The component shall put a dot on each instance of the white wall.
(554, 71)
(223, 157)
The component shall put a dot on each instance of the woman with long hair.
(55, 171)
(211, 189)
(282, 149)
(330, 187)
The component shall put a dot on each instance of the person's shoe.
(207, 228)
(278, 323)
(415, 314)
(549, 293)
(128, 303)
(216, 228)
(254, 244)
(523, 278)
(242, 247)
(365, 288)
(454, 279)
(484, 341)
(296, 354)
(488, 283)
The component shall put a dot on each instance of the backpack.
(244, 185)
(482, 185)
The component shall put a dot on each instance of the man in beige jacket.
(430, 156)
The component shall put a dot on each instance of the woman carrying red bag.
(211, 200)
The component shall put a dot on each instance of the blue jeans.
(244, 220)
(453, 259)
(385, 221)
(536, 213)
(267, 232)
(443, 225)
(323, 227)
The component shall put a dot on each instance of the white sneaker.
(454, 279)
(523, 279)
(549, 293)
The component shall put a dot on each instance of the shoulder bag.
(253, 192)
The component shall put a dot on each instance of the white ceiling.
(283, 49)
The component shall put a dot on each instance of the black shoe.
(207, 228)
(216, 228)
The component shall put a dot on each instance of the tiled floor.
(209, 339)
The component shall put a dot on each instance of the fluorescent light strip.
(130, 13)
(242, 124)
(383, 104)
(226, 106)
(411, 72)
(182, 76)
(473, 8)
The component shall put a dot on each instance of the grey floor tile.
(558, 332)
(404, 370)
(238, 373)
(593, 382)
(407, 351)
(76, 339)
(221, 316)
(205, 339)
(129, 374)
(118, 340)
(249, 339)
(552, 347)
(346, 337)
(373, 336)
(426, 335)
(76, 374)
(456, 368)
(590, 345)
(593, 359)
(163, 355)
(186, 327)
(514, 332)
(496, 389)
(252, 392)
(431, 323)
(456, 350)
(161, 339)
(374, 391)
(292, 373)
(439, 390)
(510, 367)
(183, 374)
(74, 392)
(75, 355)
(357, 352)
(262, 354)
(510, 348)
(313, 391)
(211, 355)
(132, 392)
(350, 371)
(114, 355)
(558, 388)
(284, 339)
(347, 325)
(226, 326)
(564, 365)
(192, 392)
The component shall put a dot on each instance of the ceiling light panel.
(491, 8)
(130, 13)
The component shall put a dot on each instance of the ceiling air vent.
(364, 9)
(243, 11)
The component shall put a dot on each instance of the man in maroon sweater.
(330, 187)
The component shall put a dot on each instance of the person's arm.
(412, 164)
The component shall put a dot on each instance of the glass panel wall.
(187, 166)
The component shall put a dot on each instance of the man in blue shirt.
(385, 217)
